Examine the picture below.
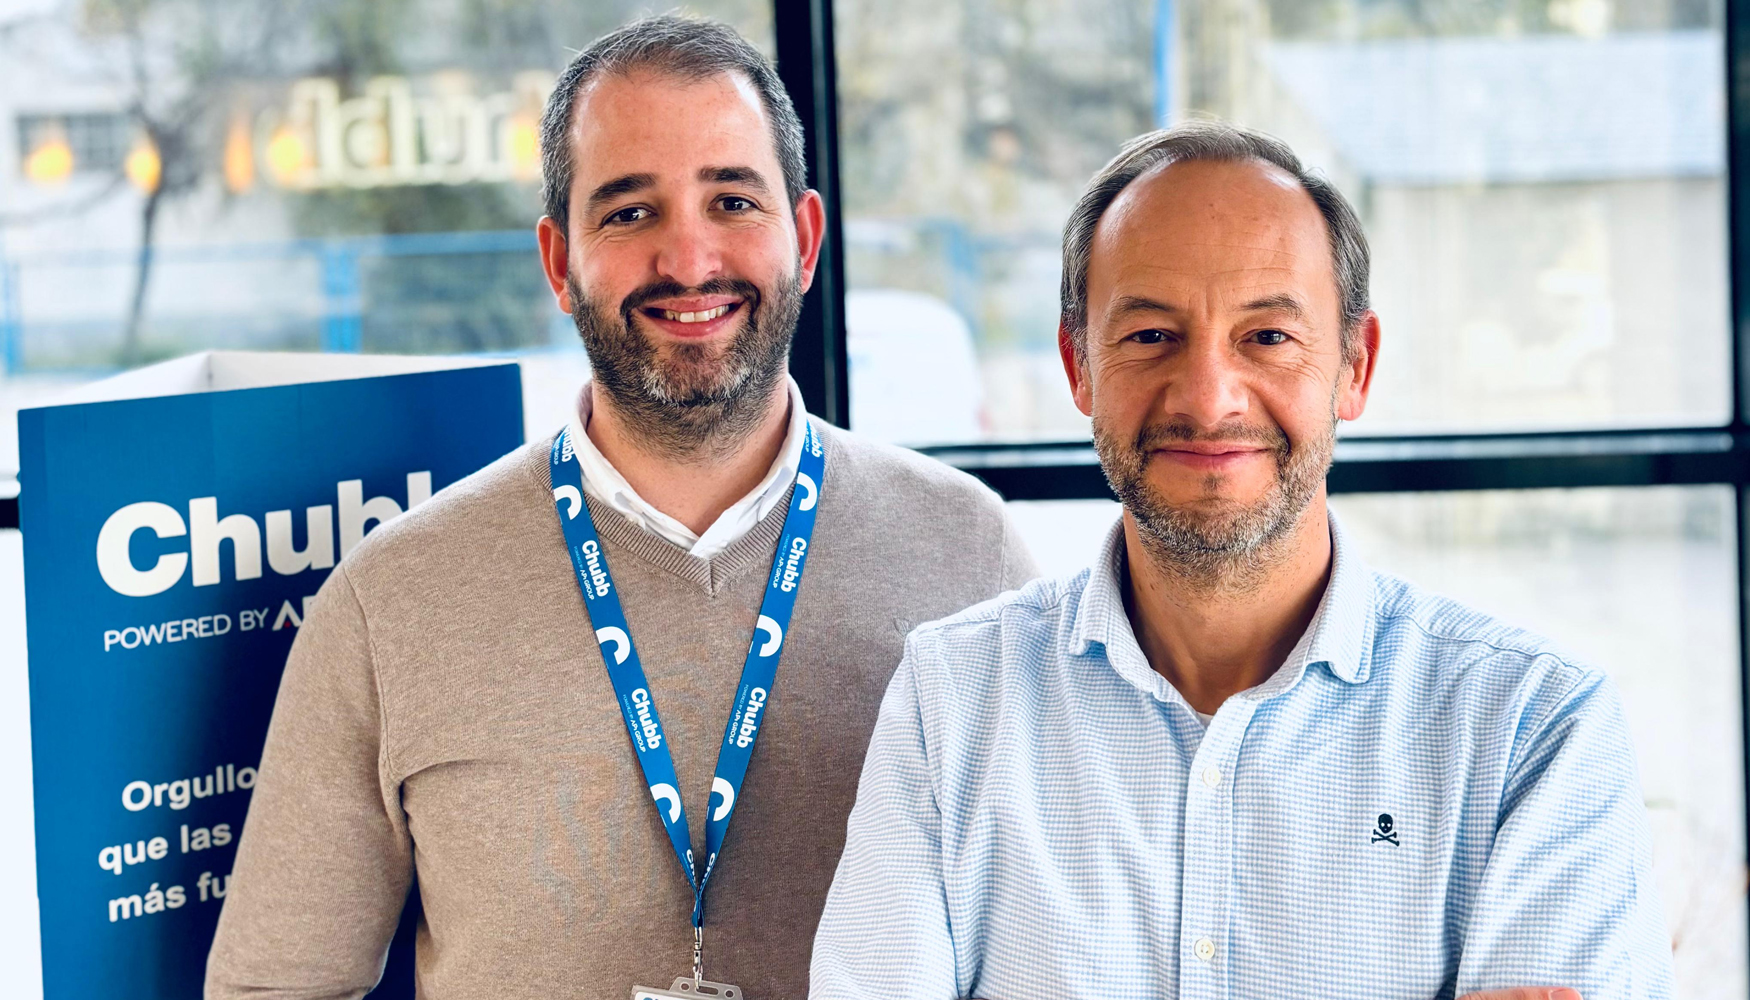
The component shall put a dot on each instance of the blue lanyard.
(620, 655)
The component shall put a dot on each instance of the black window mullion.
(1670, 457)
(1737, 85)
(803, 30)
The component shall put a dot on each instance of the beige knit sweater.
(445, 710)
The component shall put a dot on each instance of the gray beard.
(700, 402)
(1215, 544)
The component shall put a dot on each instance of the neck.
(695, 488)
(1211, 642)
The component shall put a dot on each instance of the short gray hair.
(682, 47)
(1215, 141)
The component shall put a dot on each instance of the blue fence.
(358, 279)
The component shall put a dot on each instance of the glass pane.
(347, 175)
(20, 942)
(1542, 183)
(1640, 583)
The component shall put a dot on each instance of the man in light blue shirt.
(1231, 760)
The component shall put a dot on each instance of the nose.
(688, 253)
(1208, 386)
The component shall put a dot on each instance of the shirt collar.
(604, 482)
(1342, 630)
(1337, 636)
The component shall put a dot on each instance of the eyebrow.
(1125, 305)
(734, 175)
(609, 190)
(1280, 303)
(633, 183)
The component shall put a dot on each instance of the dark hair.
(688, 48)
(1211, 141)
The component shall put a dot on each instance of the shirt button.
(1212, 776)
(1205, 949)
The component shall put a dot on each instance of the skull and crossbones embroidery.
(1384, 831)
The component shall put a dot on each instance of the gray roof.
(1532, 108)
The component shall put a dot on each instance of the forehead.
(657, 123)
(1213, 225)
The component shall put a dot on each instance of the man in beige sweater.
(447, 713)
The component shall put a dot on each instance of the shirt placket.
(1207, 889)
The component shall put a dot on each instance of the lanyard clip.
(698, 954)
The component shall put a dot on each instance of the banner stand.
(176, 521)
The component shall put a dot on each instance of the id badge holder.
(687, 988)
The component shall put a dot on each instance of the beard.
(1215, 542)
(696, 399)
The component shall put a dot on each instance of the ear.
(1080, 388)
(1358, 372)
(810, 232)
(555, 260)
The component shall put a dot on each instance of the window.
(353, 177)
(56, 145)
(1542, 184)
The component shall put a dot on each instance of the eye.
(1270, 338)
(736, 203)
(1149, 336)
(627, 216)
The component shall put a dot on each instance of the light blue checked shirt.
(1042, 816)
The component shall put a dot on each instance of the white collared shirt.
(602, 481)
(1420, 801)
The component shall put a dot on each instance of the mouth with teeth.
(704, 316)
(701, 320)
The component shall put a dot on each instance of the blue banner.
(170, 547)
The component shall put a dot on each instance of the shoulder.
(947, 534)
(1048, 602)
(1431, 633)
(469, 522)
(1015, 638)
(877, 472)
(1455, 660)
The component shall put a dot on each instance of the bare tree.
(180, 57)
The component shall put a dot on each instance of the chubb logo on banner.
(205, 530)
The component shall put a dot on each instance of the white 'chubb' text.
(792, 571)
(646, 722)
(206, 530)
(592, 560)
(750, 719)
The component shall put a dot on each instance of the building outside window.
(55, 146)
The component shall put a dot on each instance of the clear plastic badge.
(688, 988)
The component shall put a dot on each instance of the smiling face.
(683, 262)
(1214, 367)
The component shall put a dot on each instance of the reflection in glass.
(342, 175)
(1542, 183)
(1640, 583)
